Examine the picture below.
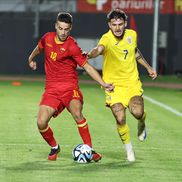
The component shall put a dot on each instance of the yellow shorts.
(123, 94)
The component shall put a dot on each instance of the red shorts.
(60, 100)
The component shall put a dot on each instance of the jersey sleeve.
(103, 41)
(136, 39)
(41, 42)
(77, 55)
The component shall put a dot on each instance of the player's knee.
(137, 114)
(41, 123)
(77, 116)
(120, 120)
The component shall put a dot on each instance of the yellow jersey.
(119, 66)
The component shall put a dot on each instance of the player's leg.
(44, 115)
(136, 108)
(75, 108)
(118, 111)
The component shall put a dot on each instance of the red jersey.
(60, 62)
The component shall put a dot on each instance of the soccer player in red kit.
(61, 57)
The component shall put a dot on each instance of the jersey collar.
(57, 41)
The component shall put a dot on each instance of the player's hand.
(152, 73)
(33, 65)
(109, 87)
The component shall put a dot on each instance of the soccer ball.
(82, 153)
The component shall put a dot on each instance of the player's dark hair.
(115, 14)
(64, 17)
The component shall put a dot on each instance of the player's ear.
(71, 27)
(126, 23)
(56, 26)
(109, 24)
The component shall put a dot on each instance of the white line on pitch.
(163, 106)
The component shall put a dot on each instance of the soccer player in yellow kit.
(119, 49)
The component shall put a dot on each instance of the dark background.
(17, 38)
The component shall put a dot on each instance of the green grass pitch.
(23, 153)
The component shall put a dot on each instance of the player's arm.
(31, 60)
(96, 76)
(141, 60)
(96, 51)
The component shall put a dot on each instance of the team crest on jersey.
(62, 49)
(129, 40)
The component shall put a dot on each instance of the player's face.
(117, 27)
(63, 30)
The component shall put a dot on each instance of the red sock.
(84, 132)
(48, 136)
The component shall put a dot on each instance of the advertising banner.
(178, 6)
(129, 6)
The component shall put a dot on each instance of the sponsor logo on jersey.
(117, 43)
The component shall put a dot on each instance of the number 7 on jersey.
(126, 53)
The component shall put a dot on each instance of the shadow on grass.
(110, 161)
(68, 166)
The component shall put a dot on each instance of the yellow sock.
(123, 131)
